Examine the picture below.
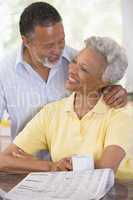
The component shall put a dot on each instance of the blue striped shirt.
(23, 92)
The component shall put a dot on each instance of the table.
(120, 191)
(8, 181)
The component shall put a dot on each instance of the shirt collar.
(69, 53)
(69, 103)
(19, 59)
(99, 108)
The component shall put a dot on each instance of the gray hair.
(115, 55)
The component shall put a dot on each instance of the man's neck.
(38, 67)
(84, 102)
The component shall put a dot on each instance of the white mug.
(82, 162)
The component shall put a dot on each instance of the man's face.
(46, 43)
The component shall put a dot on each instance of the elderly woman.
(82, 123)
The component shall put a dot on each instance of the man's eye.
(49, 46)
(61, 42)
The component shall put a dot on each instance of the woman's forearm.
(10, 163)
(111, 158)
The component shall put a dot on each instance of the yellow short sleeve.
(33, 138)
(120, 132)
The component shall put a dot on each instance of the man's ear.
(25, 40)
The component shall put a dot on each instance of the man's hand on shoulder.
(115, 96)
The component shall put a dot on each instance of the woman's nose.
(73, 69)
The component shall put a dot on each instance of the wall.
(127, 18)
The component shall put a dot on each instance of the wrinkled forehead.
(49, 33)
(91, 56)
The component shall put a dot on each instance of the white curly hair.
(115, 55)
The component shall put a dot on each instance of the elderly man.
(35, 75)
(82, 123)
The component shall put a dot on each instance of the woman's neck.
(84, 102)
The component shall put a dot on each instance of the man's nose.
(57, 49)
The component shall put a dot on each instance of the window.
(81, 18)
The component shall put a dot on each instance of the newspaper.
(2, 194)
(86, 185)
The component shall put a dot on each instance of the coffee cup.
(82, 162)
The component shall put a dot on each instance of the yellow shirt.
(57, 128)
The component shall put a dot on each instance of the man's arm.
(111, 157)
(115, 96)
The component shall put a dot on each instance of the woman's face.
(86, 70)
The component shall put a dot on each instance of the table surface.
(120, 191)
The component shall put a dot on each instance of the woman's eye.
(84, 70)
(74, 61)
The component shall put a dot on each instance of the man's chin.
(54, 61)
(70, 88)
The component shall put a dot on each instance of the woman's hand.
(115, 96)
(63, 165)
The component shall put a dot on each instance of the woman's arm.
(111, 157)
(15, 159)
(11, 161)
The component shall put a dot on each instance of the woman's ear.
(104, 82)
